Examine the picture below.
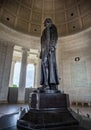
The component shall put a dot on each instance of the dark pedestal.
(48, 111)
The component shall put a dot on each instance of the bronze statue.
(49, 76)
(48, 106)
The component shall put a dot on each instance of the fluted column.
(37, 74)
(12, 73)
(6, 53)
(22, 81)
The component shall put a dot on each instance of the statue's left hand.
(52, 48)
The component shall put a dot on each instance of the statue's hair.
(47, 20)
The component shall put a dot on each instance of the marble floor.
(11, 108)
(14, 108)
(82, 110)
(9, 122)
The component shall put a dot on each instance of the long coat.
(49, 75)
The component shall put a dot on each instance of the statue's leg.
(45, 70)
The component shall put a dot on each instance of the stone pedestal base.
(49, 111)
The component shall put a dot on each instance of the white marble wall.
(69, 47)
(78, 45)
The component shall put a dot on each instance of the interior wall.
(76, 75)
(68, 48)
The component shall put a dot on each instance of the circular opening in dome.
(35, 30)
(74, 27)
(7, 18)
(72, 14)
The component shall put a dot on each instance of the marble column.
(37, 74)
(22, 81)
(6, 53)
(60, 66)
(12, 73)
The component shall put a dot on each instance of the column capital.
(25, 49)
(34, 64)
(7, 43)
(16, 59)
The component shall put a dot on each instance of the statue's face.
(46, 24)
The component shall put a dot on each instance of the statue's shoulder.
(44, 31)
(53, 27)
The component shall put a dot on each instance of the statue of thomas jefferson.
(49, 76)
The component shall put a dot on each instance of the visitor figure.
(49, 76)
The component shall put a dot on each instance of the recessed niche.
(77, 58)
(35, 30)
(1, 1)
(74, 27)
(8, 19)
(72, 14)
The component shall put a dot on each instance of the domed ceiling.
(70, 16)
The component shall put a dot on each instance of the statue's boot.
(46, 88)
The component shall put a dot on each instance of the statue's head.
(47, 22)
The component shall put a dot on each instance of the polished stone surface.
(9, 122)
(12, 108)
(48, 110)
(49, 100)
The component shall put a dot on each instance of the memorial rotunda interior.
(21, 25)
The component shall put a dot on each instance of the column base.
(3, 102)
(21, 102)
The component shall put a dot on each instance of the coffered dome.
(70, 16)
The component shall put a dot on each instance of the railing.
(13, 94)
(80, 100)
